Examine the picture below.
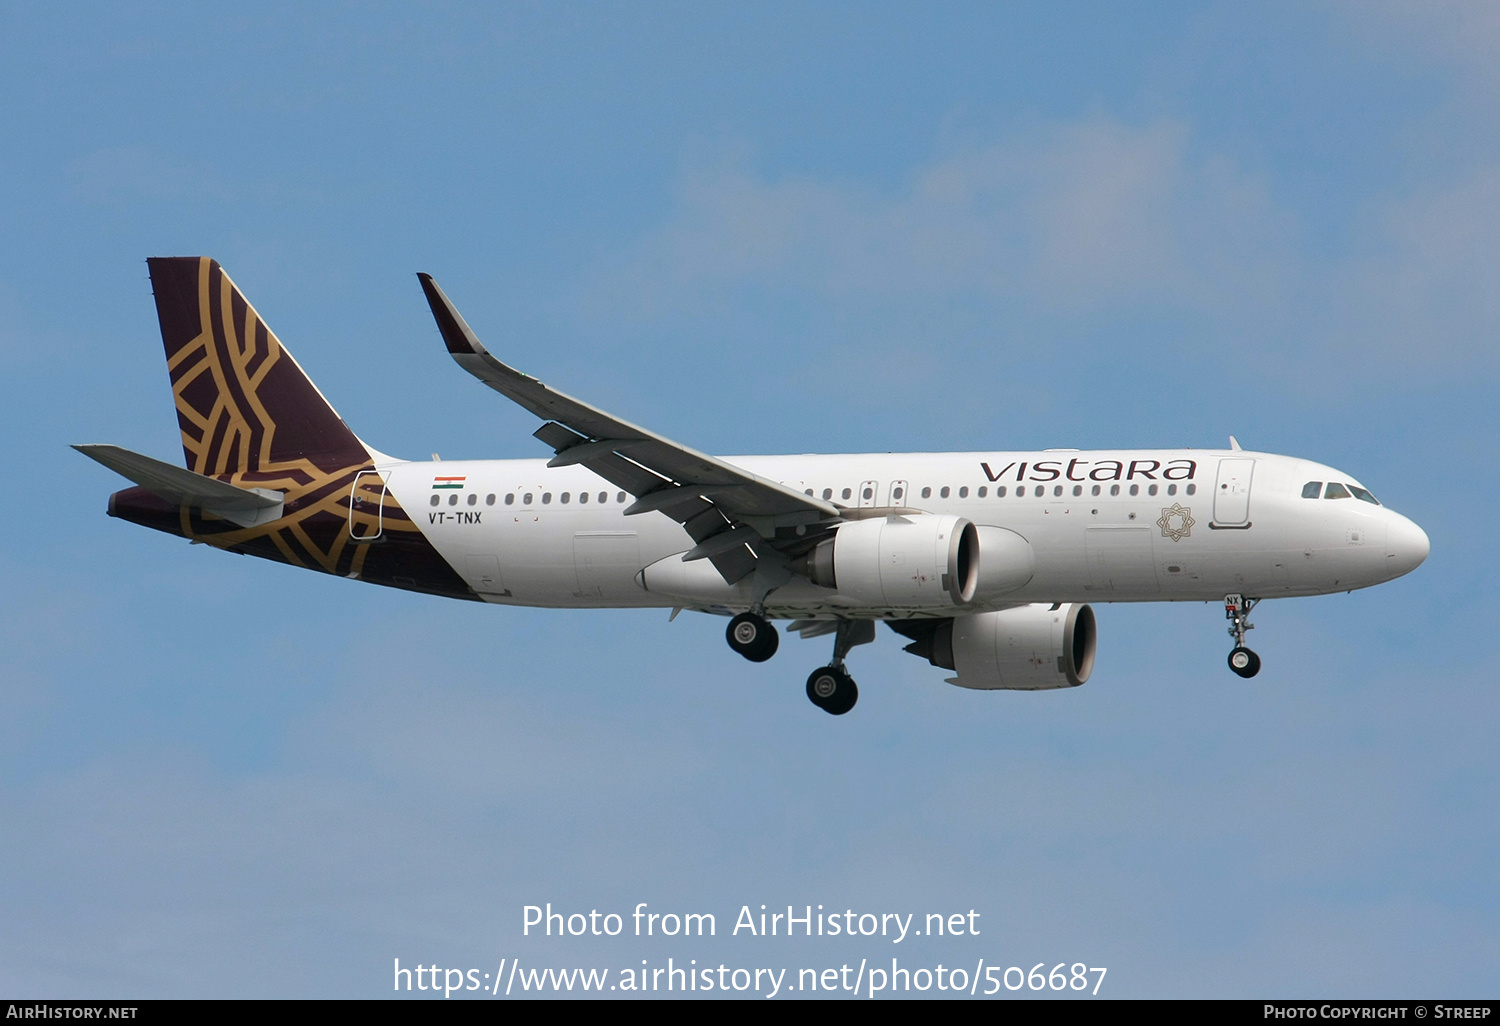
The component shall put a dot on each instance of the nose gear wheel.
(1244, 662)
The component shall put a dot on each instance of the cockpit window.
(1363, 496)
(1312, 489)
(1336, 491)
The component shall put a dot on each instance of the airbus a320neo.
(985, 561)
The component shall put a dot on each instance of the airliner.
(986, 562)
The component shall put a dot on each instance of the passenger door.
(1232, 493)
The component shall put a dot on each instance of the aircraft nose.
(1406, 546)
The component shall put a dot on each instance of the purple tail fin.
(243, 404)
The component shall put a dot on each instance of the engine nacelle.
(1006, 562)
(900, 561)
(1028, 648)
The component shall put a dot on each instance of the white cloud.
(1072, 217)
(1422, 290)
(1465, 33)
(1085, 224)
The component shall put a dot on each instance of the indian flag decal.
(448, 482)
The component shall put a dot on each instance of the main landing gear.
(832, 690)
(830, 687)
(1237, 611)
(753, 637)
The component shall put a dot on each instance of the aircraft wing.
(725, 509)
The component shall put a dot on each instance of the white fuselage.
(1103, 526)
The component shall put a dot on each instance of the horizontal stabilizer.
(246, 507)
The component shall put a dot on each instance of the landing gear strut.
(753, 637)
(1237, 611)
(830, 687)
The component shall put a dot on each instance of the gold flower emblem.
(1176, 522)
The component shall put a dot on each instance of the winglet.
(1234, 444)
(457, 335)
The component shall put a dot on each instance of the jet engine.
(900, 561)
(1025, 648)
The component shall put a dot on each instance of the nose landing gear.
(1237, 611)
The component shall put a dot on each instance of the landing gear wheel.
(752, 637)
(1244, 662)
(1237, 610)
(832, 690)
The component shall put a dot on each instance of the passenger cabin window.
(1171, 489)
(1151, 489)
(565, 497)
(1078, 489)
(846, 493)
(898, 493)
(583, 496)
(963, 493)
(473, 498)
(867, 494)
(944, 492)
(1312, 489)
(620, 497)
(510, 498)
(1135, 489)
(926, 493)
(1000, 492)
(436, 499)
(489, 500)
(1096, 490)
(1021, 490)
(1192, 489)
(603, 497)
(546, 498)
(1362, 495)
(527, 499)
(1336, 491)
(453, 500)
(983, 491)
(1114, 489)
(827, 493)
(1057, 490)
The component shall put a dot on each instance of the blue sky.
(756, 228)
